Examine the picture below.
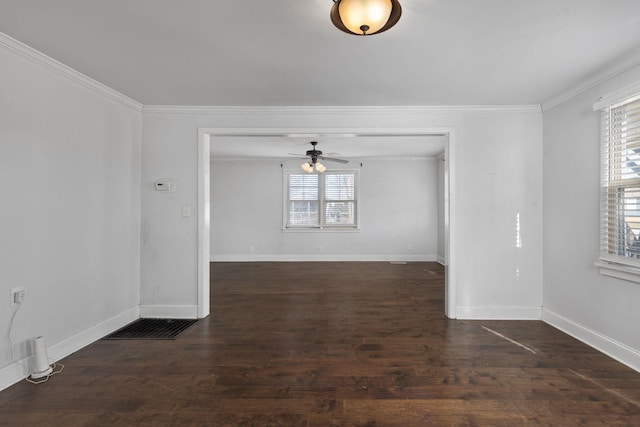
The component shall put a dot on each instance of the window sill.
(619, 271)
(320, 230)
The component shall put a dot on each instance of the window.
(620, 182)
(320, 201)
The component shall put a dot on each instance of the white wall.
(69, 223)
(398, 213)
(498, 175)
(599, 310)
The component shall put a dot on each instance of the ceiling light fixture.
(365, 17)
(309, 166)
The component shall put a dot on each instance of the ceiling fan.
(313, 155)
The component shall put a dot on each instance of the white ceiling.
(287, 53)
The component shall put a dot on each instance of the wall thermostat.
(164, 184)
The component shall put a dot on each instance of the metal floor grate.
(151, 329)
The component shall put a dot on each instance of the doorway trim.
(205, 135)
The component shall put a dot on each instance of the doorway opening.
(207, 135)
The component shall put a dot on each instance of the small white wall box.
(164, 184)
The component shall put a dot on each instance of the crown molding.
(309, 110)
(625, 64)
(17, 48)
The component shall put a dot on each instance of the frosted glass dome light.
(365, 17)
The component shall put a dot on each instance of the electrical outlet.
(18, 296)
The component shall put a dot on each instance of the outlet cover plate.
(14, 293)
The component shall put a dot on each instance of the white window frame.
(610, 262)
(321, 226)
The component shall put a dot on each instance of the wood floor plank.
(334, 344)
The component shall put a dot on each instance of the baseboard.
(498, 313)
(325, 258)
(19, 370)
(11, 374)
(440, 260)
(612, 348)
(169, 311)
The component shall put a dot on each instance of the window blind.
(303, 200)
(339, 195)
(620, 182)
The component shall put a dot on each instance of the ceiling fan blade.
(332, 159)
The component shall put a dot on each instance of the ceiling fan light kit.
(308, 167)
(365, 17)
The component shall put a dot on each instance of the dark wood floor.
(321, 344)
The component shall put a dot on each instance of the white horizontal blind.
(620, 182)
(340, 199)
(303, 200)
